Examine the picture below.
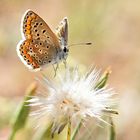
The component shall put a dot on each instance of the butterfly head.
(65, 51)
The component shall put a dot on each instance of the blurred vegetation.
(113, 27)
(21, 115)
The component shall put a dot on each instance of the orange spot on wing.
(28, 27)
(27, 56)
(35, 65)
(28, 22)
(30, 59)
(27, 43)
(29, 18)
(24, 51)
(28, 32)
(29, 36)
(24, 47)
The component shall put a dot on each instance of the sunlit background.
(114, 28)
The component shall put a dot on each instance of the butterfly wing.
(40, 45)
(35, 54)
(34, 27)
(62, 31)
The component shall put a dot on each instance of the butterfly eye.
(65, 49)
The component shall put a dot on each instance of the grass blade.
(22, 113)
(76, 130)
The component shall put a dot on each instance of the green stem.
(76, 130)
(112, 130)
(12, 135)
(46, 134)
(69, 131)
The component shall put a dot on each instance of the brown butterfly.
(40, 46)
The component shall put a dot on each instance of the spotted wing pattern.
(40, 45)
(34, 27)
(35, 54)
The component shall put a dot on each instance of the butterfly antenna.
(87, 43)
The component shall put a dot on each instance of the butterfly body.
(40, 46)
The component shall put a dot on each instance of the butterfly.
(40, 46)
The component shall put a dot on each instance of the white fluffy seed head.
(73, 98)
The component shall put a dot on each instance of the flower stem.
(69, 131)
(112, 130)
(76, 130)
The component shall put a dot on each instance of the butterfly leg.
(65, 63)
(55, 69)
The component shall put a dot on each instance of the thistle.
(73, 98)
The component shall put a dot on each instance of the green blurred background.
(113, 26)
